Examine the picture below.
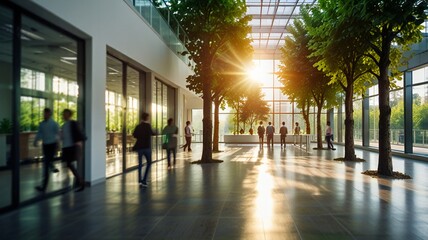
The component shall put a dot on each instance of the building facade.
(108, 61)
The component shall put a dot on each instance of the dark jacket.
(143, 133)
(77, 132)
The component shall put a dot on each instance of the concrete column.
(95, 115)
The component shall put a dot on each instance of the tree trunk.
(385, 158)
(207, 118)
(319, 131)
(349, 124)
(305, 113)
(216, 124)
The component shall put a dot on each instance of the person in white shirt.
(188, 135)
(296, 132)
(48, 133)
(329, 136)
(270, 130)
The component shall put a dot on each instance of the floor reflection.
(255, 194)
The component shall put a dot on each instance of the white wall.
(109, 24)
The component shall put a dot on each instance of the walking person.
(72, 142)
(48, 133)
(296, 132)
(170, 134)
(283, 131)
(261, 133)
(270, 130)
(188, 136)
(329, 136)
(143, 133)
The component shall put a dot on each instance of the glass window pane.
(49, 68)
(6, 121)
(374, 121)
(420, 119)
(132, 113)
(114, 117)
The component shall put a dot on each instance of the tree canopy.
(304, 83)
(212, 26)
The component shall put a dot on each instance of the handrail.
(165, 24)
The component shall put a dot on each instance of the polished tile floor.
(254, 194)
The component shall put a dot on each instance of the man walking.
(270, 130)
(48, 133)
(143, 133)
(261, 133)
(329, 136)
(283, 131)
(188, 136)
(72, 142)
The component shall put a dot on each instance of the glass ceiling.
(269, 23)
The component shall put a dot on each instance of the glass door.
(6, 108)
(115, 109)
(49, 84)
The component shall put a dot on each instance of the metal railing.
(165, 24)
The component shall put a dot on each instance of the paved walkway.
(269, 194)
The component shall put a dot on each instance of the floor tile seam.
(160, 220)
(218, 216)
(343, 226)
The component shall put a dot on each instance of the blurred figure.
(283, 131)
(170, 131)
(270, 130)
(48, 133)
(296, 132)
(188, 135)
(329, 136)
(143, 133)
(261, 133)
(72, 142)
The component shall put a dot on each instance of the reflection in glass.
(132, 113)
(114, 117)
(374, 121)
(48, 79)
(6, 108)
(420, 119)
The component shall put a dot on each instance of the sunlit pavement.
(254, 194)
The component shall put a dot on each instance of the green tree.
(302, 81)
(255, 108)
(339, 54)
(230, 77)
(389, 28)
(210, 25)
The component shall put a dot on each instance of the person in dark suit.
(143, 133)
(72, 142)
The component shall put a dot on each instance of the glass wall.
(397, 119)
(123, 98)
(6, 83)
(420, 111)
(49, 79)
(132, 113)
(374, 121)
(115, 110)
(358, 122)
(163, 101)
